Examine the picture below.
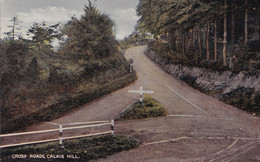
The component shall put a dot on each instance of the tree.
(90, 36)
(179, 18)
(42, 35)
(246, 22)
(14, 27)
(225, 36)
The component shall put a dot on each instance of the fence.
(60, 130)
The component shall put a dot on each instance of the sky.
(54, 11)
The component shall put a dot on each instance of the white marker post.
(113, 127)
(141, 92)
(60, 137)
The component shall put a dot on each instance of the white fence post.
(60, 130)
(112, 126)
(60, 136)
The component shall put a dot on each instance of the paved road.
(198, 127)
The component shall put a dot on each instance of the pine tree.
(90, 36)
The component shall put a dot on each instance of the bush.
(149, 109)
(244, 98)
(245, 59)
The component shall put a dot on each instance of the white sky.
(54, 11)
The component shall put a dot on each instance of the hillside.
(38, 84)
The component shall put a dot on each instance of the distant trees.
(42, 35)
(213, 26)
(12, 34)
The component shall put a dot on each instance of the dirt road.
(198, 127)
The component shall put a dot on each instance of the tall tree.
(215, 41)
(14, 27)
(90, 36)
(207, 42)
(225, 36)
(42, 35)
(246, 22)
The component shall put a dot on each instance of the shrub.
(149, 109)
(85, 149)
(243, 98)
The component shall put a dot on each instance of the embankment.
(238, 89)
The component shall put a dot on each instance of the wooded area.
(218, 34)
(38, 83)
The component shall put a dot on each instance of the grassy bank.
(66, 104)
(74, 150)
(38, 83)
(149, 109)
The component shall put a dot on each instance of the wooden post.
(60, 136)
(113, 127)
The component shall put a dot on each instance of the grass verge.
(150, 109)
(74, 150)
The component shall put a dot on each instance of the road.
(198, 127)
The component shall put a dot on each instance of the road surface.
(198, 127)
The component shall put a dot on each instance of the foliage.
(245, 58)
(13, 34)
(86, 149)
(244, 98)
(12, 60)
(149, 109)
(188, 28)
(90, 36)
(135, 39)
(39, 84)
(191, 81)
(42, 35)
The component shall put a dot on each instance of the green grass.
(81, 149)
(149, 109)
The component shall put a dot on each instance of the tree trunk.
(199, 42)
(176, 44)
(257, 22)
(208, 54)
(179, 44)
(246, 22)
(233, 28)
(204, 37)
(187, 43)
(194, 38)
(225, 36)
(191, 39)
(13, 27)
(215, 42)
(183, 45)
